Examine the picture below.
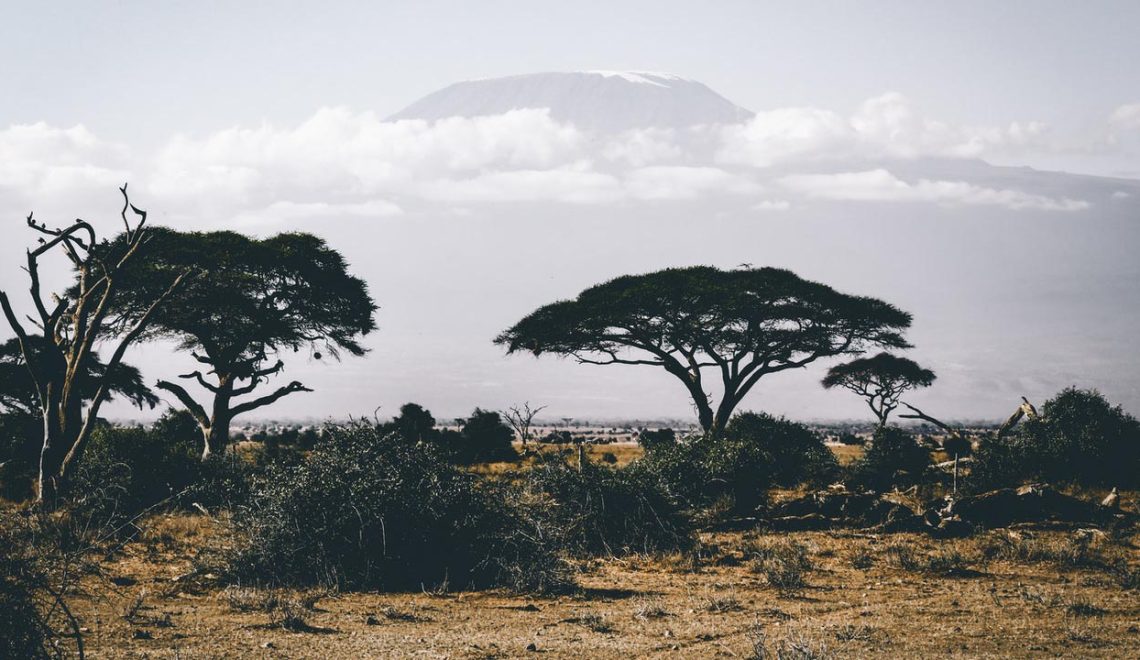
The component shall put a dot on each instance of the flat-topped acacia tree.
(740, 324)
(880, 380)
(254, 300)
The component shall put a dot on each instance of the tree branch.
(188, 401)
(295, 386)
(116, 358)
(201, 380)
(918, 414)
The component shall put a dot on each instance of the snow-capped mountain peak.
(599, 101)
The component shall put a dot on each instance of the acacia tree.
(59, 360)
(741, 324)
(256, 299)
(880, 380)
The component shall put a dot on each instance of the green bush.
(20, 438)
(22, 633)
(34, 619)
(603, 511)
(368, 510)
(1079, 438)
(796, 453)
(650, 440)
(894, 458)
(755, 453)
(483, 437)
(125, 470)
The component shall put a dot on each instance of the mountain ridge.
(599, 101)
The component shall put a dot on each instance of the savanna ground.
(1023, 592)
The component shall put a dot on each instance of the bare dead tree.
(68, 332)
(522, 420)
(1025, 410)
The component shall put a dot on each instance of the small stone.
(668, 633)
(142, 634)
(371, 621)
(268, 645)
(532, 647)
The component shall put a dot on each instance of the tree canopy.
(743, 324)
(880, 379)
(255, 299)
(18, 388)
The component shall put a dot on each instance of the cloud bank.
(879, 185)
(343, 163)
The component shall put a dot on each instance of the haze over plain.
(469, 208)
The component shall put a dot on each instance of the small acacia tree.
(255, 299)
(742, 324)
(70, 327)
(880, 380)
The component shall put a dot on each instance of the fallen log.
(1030, 503)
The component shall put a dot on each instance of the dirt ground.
(866, 595)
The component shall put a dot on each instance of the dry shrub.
(903, 556)
(606, 511)
(862, 558)
(784, 564)
(367, 510)
(722, 604)
(592, 620)
(794, 643)
(40, 558)
(650, 608)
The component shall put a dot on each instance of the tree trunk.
(216, 439)
(49, 486)
(62, 424)
(217, 434)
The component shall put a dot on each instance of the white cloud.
(879, 185)
(38, 160)
(574, 184)
(1120, 194)
(1125, 118)
(341, 152)
(772, 205)
(886, 126)
(343, 163)
(680, 182)
(787, 134)
(284, 211)
(889, 125)
(641, 147)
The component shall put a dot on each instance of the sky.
(859, 170)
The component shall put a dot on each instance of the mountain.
(602, 101)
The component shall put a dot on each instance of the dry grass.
(858, 595)
(846, 454)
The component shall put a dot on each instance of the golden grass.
(855, 595)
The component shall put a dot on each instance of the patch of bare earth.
(814, 594)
